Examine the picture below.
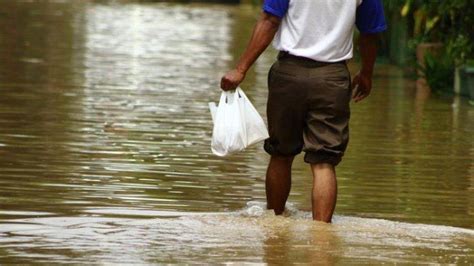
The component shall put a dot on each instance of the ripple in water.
(252, 234)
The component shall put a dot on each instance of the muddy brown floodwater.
(105, 150)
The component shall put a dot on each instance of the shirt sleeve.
(370, 17)
(276, 7)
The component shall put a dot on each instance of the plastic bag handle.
(235, 91)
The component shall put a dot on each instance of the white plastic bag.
(237, 124)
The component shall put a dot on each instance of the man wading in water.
(309, 88)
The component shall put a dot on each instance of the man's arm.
(362, 82)
(263, 34)
(370, 20)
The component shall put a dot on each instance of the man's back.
(320, 29)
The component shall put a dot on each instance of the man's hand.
(361, 86)
(263, 34)
(232, 79)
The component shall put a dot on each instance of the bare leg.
(278, 182)
(324, 191)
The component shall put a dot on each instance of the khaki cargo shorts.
(308, 109)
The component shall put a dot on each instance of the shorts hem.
(270, 149)
(322, 157)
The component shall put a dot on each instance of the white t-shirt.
(322, 30)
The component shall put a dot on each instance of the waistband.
(283, 55)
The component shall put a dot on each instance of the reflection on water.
(104, 147)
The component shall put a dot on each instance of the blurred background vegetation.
(435, 37)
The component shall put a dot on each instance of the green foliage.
(458, 28)
(450, 22)
(438, 72)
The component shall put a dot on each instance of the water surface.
(105, 156)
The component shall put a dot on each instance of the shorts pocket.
(338, 76)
